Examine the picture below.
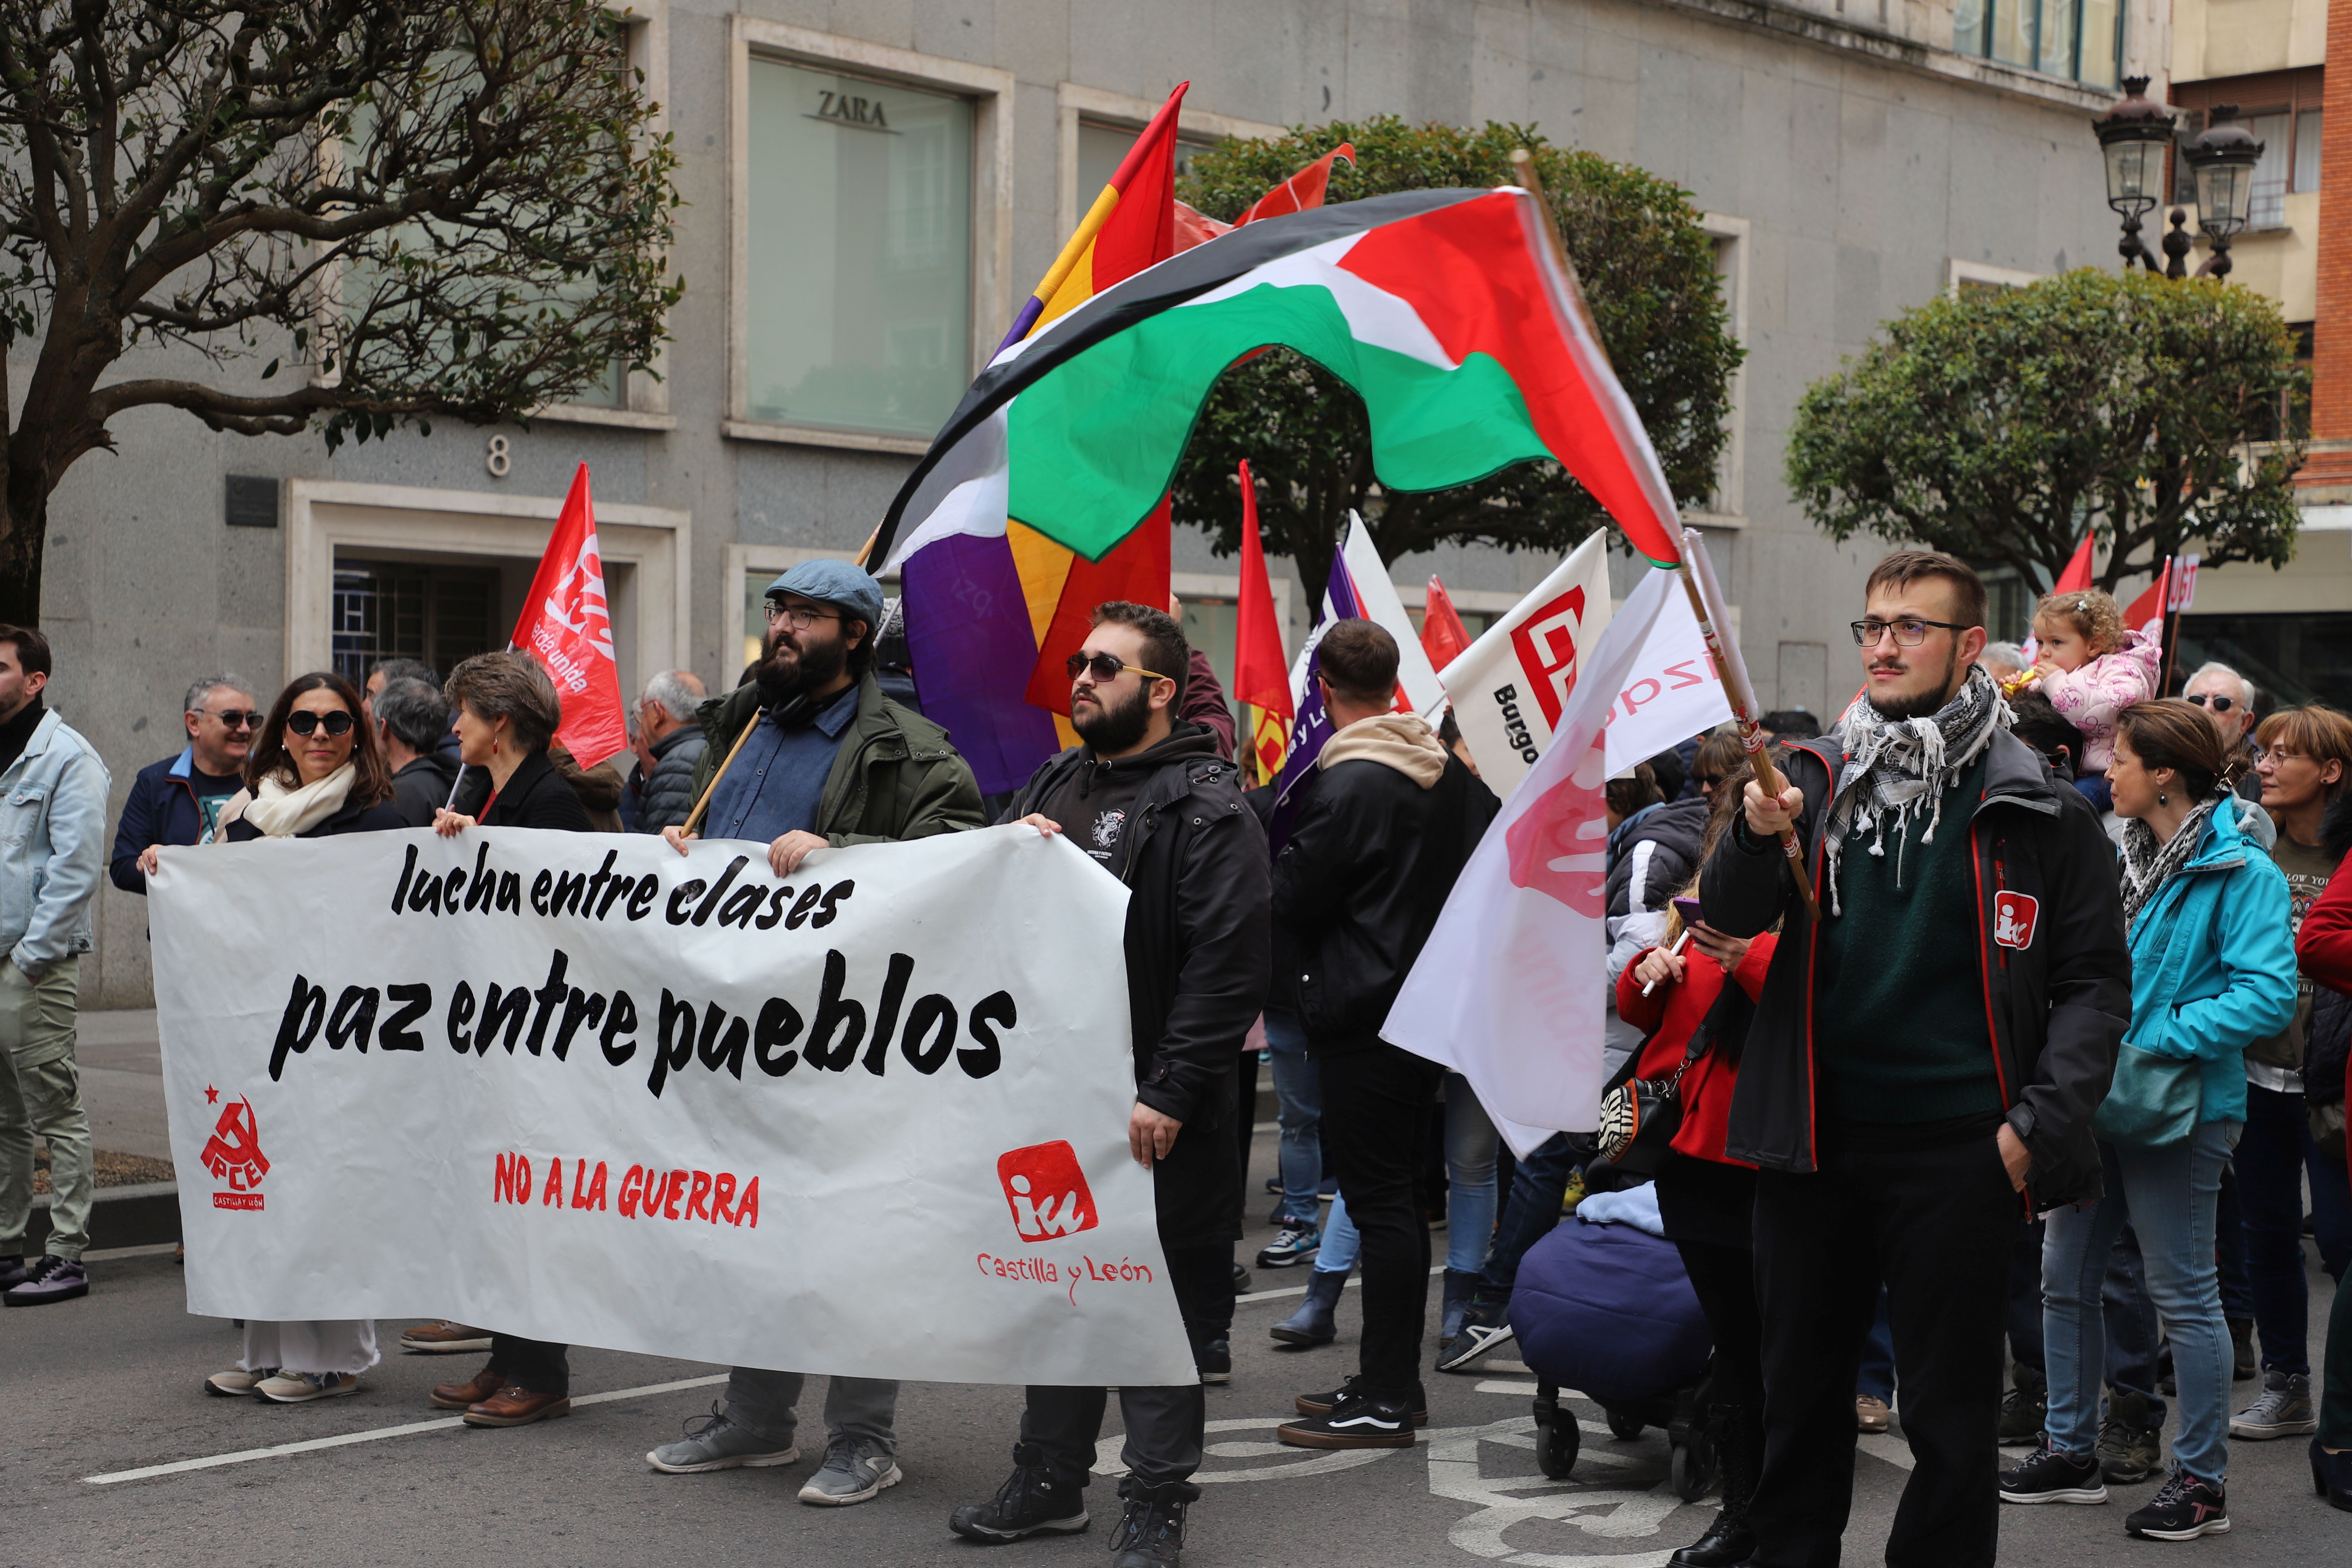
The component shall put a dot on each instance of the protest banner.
(867, 1119)
(1509, 688)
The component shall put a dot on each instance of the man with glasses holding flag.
(179, 799)
(809, 754)
(1923, 1065)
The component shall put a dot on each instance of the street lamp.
(2223, 161)
(2132, 137)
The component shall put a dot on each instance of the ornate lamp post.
(2133, 138)
(2223, 161)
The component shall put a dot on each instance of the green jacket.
(895, 776)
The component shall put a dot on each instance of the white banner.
(1672, 690)
(1510, 687)
(870, 1121)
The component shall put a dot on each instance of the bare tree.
(407, 208)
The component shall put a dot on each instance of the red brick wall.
(2331, 365)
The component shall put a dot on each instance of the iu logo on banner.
(567, 626)
(1047, 1190)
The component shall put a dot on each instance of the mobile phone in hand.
(1688, 909)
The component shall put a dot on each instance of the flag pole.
(1726, 655)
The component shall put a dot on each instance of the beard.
(1923, 704)
(788, 670)
(1112, 727)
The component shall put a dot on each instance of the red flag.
(1261, 672)
(1443, 635)
(1301, 190)
(2077, 575)
(2146, 612)
(567, 626)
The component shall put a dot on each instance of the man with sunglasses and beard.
(179, 799)
(1148, 798)
(825, 760)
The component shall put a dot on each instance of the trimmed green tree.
(1648, 270)
(344, 215)
(1998, 424)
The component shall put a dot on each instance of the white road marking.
(343, 1439)
(1888, 1447)
(1109, 1465)
(1301, 1290)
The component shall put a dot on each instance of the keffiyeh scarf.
(1893, 767)
(2149, 865)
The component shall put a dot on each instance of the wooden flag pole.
(1726, 658)
(694, 817)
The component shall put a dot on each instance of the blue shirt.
(777, 781)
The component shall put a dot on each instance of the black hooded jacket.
(2057, 1002)
(1195, 862)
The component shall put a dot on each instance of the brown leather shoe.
(515, 1405)
(483, 1384)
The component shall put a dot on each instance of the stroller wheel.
(1626, 1425)
(1558, 1438)
(1692, 1469)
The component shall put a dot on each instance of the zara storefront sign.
(868, 1119)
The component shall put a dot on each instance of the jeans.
(2130, 1319)
(2229, 1249)
(2272, 1157)
(1876, 1377)
(767, 1402)
(2170, 1195)
(1470, 1142)
(1298, 1099)
(41, 1093)
(1341, 1241)
(1539, 1185)
(1378, 1098)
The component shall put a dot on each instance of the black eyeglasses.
(1908, 633)
(801, 617)
(2220, 704)
(1710, 781)
(305, 723)
(1105, 668)
(232, 719)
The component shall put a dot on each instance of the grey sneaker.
(2285, 1410)
(714, 1443)
(855, 1468)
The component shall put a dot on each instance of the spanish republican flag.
(1261, 674)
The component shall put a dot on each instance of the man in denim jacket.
(52, 848)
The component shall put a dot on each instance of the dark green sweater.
(1899, 1030)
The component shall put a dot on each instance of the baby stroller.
(1607, 1309)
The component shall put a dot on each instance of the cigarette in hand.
(1674, 952)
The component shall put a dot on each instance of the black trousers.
(1376, 1102)
(1166, 1425)
(1709, 1210)
(1937, 1225)
(541, 1367)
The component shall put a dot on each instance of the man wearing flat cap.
(825, 760)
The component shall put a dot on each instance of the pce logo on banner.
(233, 1154)
(1046, 1191)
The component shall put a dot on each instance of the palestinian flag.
(1446, 310)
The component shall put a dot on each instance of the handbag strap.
(1702, 1039)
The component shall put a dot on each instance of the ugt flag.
(1511, 989)
(567, 626)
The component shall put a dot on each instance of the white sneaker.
(301, 1387)
(237, 1382)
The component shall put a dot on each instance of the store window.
(1102, 146)
(860, 251)
(2294, 659)
(2081, 40)
(398, 610)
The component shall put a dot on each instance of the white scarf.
(282, 813)
(1897, 767)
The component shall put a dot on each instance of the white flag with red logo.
(1509, 689)
(567, 626)
(1511, 989)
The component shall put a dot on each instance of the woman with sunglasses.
(315, 772)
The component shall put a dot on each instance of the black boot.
(1150, 1531)
(1740, 1440)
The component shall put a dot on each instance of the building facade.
(871, 188)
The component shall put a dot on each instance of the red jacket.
(1668, 1015)
(2323, 948)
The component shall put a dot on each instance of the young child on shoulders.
(2091, 667)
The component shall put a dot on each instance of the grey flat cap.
(834, 583)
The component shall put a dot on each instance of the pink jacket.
(2090, 698)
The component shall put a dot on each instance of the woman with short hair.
(315, 772)
(505, 713)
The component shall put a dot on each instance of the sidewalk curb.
(144, 1215)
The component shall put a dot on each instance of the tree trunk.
(23, 536)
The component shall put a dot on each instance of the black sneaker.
(2184, 1508)
(2022, 1413)
(1150, 1534)
(2129, 1451)
(1357, 1421)
(1029, 1502)
(1324, 1404)
(53, 1279)
(2052, 1476)
(1485, 1325)
(12, 1271)
(1214, 1359)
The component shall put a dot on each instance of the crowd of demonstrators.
(52, 829)
(317, 770)
(1906, 1095)
(179, 799)
(668, 744)
(1389, 815)
(2212, 972)
(809, 753)
(1148, 796)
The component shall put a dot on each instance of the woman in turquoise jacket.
(2212, 971)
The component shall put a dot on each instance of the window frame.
(1980, 47)
(989, 92)
(1726, 507)
(1073, 102)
